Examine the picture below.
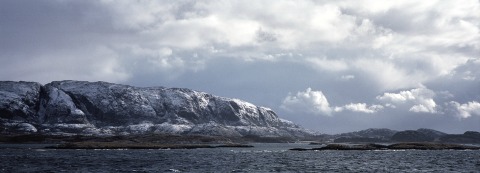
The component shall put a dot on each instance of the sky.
(331, 66)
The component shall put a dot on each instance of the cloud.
(340, 36)
(347, 77)
(360, 107)
(314, 102)
(468, 71)
(466, 110)
(257, 51)
(400, 97)
(387, 74)
(308, 101)
(427, 106)
(327, 64)
(418, 99)
(264, 36)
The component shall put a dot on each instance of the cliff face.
(106, 108)
(19, 100)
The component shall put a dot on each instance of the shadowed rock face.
(19, 100)
(100, 107)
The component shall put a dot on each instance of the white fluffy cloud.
(360, 107)
(419, 100)
(314, 102)
(467, 109)
(308, 101)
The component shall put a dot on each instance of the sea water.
(261, 158)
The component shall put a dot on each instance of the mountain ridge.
(82, 107)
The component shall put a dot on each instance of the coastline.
(394, 146)
(129, 145)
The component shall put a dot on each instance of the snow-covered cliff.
(104, 108)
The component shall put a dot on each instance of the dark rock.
(300, 149)
(126, 145)
(234, 146)
(352, 147)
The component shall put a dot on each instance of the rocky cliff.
(100, 108)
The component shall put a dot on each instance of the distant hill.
(382, 133)
(420, 135)
(467, 137)
(368, 135)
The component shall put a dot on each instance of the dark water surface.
(262, 158)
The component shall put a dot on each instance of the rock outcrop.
(99, 108)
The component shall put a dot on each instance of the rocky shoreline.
(158, 141)
(130, 145)
(396, 146)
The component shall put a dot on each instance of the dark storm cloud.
(29, 26)
(52, 40)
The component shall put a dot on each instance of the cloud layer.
(390, 61)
